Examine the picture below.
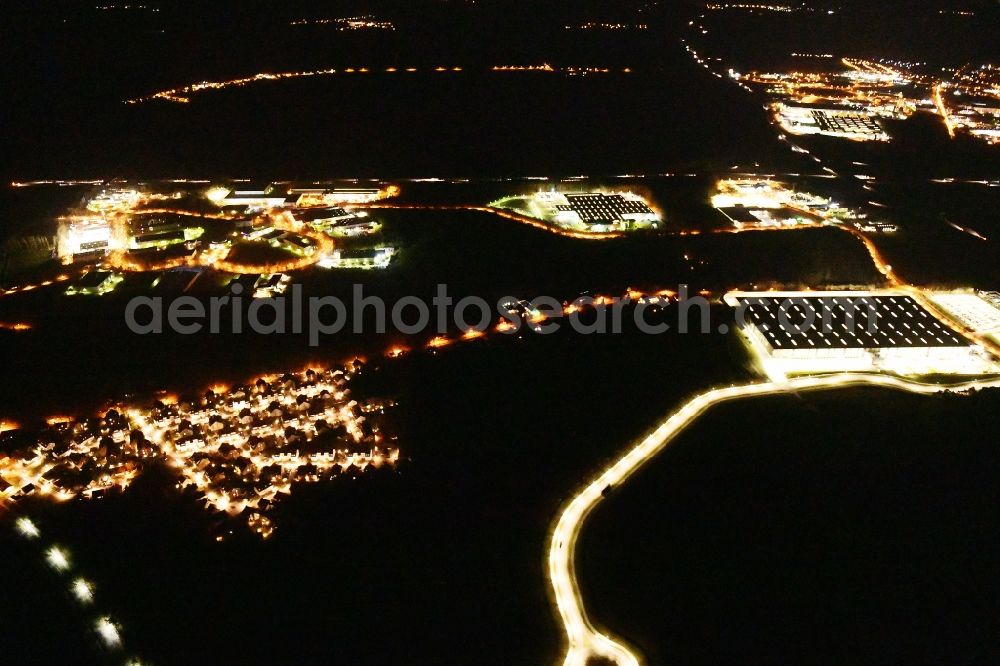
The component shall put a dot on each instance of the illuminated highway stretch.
(942, 109)
(584, 641)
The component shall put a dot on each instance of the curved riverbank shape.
(583, 640)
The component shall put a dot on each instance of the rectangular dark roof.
(854, 122)
(366, 253)
(92, 280)
(313, 214)
(847, 322)
(740, 214)
(600, 207)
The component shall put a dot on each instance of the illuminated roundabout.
(585, 641)
(121, 260)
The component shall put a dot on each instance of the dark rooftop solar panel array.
(603, 207)
(850, 123)
(740, 214)
(847, 322)
(313, 214)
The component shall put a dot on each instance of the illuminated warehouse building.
(597, 211)
(83, 239)
(806, 332)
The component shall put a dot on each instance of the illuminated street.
(584, 641)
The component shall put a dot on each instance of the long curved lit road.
(584, 641)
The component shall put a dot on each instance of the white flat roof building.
(254, 199)
(83, 237)
(972, 310)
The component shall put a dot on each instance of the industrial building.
(845, 124)
(261, 199)
(323, 217)
(841, 123)
(95, 283)
(359, 259)
(335, 221)
(594, 211)
(979, 311)
(808, 332)
(766, 218)
(337, 196)
(83, 238)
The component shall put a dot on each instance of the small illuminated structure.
(979, 312)
(810, 332)
(762, 203)
(845, 124)
(83, 591)
(263, 232)
(57, 558)
(116, 199)
(27, 528)
(95, 283)
(161, 233)
(336, 221)
(217, 194)
(877, 227)
(311, 197)
(297, 244)
(359, 259)
(326, 216)
(108, 632)
(355, 195)
(254, 199)
(270, 285)
(83, 238)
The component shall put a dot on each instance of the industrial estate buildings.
(809, 332)
(592, 212)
